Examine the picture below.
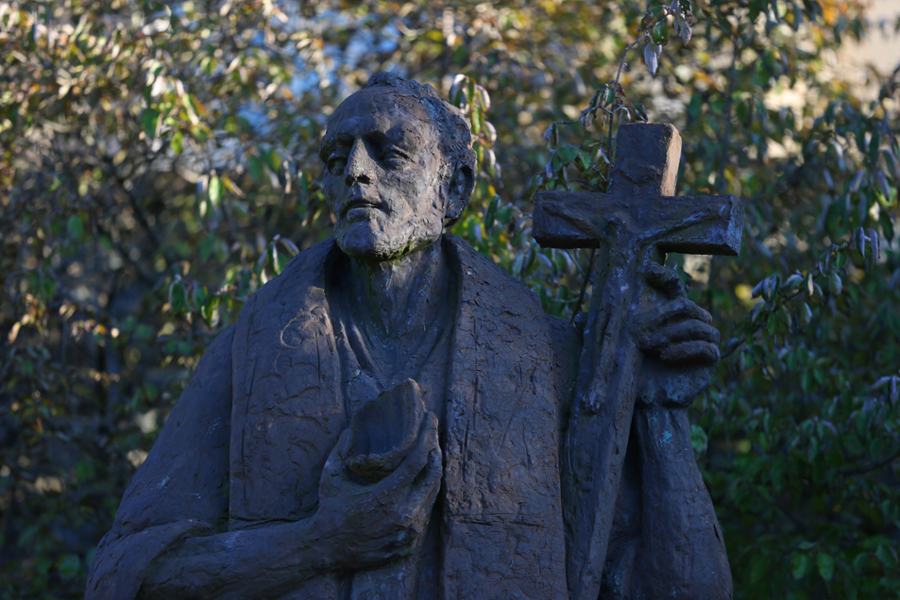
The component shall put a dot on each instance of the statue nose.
(360, 166)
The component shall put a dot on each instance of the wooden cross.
(637, 221)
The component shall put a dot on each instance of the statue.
(394, 417)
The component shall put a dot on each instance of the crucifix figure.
(634, 225)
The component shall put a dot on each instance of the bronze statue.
(390, 417)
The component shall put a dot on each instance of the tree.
(158, 163)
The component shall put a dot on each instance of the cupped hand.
(368, 525)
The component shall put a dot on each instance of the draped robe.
(247, 440)
(246, 443)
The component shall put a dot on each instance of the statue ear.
(458, 189)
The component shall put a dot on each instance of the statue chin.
(369, 242)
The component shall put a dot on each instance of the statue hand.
(371, 524)
(680, 346)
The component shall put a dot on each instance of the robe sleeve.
(181, 490)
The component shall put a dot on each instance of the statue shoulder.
(481, 274)
(303, 271)
(565, 337)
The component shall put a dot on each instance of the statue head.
(399, 167)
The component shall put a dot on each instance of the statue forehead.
(383, 109)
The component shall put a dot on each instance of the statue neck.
(394, 298)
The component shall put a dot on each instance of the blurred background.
(158, 165)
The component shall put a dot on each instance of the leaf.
(892, 164)
(178, 142)
(856, 181)
(651, 56)
(568, 153)
(552, 135)
(69, 566)
(255, 166)
(835, 285)
(887, 224)
(699, 439)
(660, 33)
(149, 120)
(805, 315)
(609, 96)
(860, 562)
(884, 187)
(686, 33)
(800, 565)
(215, 190)
(491, 214)
(75, 227)
(233, 188)
(886, 557)
(826, 566)
(640, 111)
(206, 247)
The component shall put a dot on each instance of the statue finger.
(676, 310)
(682, 331)
(665, 279)
(694, 353)
(335, 462)
(425, 492)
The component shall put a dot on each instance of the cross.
(639, 220)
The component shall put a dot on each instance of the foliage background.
(157, 166)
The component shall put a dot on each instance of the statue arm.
(170, 540)
(263, 562)
(666, 527)
(665, 536)
(164, 541)
(180, 490)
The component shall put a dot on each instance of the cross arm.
(685, 224)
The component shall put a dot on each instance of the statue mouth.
(358, 204)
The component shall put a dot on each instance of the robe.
(247, 440)
(246, 443)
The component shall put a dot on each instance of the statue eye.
(336, 164)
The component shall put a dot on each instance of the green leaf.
(207, 246)
(800, 565)
(568, 153)
(491, 213)
(887, 224)
(660, 33)
(860, 562)
(75, 227)
(255, 166)
(835, 285)
(178, 142)
(609, 95)
(149, 120)
(699, 439)
(886, 557)
(215, 190)
(826, 566)
(640, 111)
(69, 566)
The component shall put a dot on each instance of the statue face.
(383, 175)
